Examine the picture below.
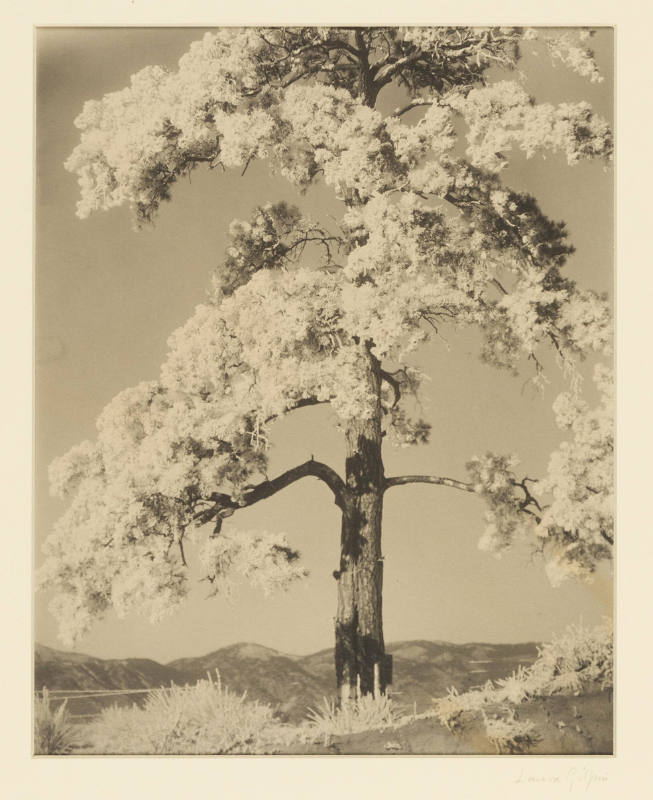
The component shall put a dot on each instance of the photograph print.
(323, 391)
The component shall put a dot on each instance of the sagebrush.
(204, 718)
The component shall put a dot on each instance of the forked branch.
(394, 383)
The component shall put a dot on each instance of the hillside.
(57, 669)
(290, 684)
(423, 670)
(266, 675)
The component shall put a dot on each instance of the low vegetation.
(508, 734)
(207, 718)
(54, 734)
(365, 713)
(200, 719)
(568, 664)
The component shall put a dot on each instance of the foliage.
(570, 662)
(202, 719)
(586, 653)
(575, 54)
(429, 236)
(579, 521)
(54, 734)
(576, 528)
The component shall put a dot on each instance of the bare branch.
(394, 383)
(307, 401)
(401, 480)
(321, 238)
(387, 71)
(409, 106)
(528, 500)
(246, 165)
(181, 551)
(224, 506)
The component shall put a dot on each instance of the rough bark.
(360, 649)
(359, 626)
(367, 88)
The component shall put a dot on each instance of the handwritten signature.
(575, 779)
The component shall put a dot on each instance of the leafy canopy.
(429, 236)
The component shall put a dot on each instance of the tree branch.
(387, 71)
(468, 487)
(246, 165)
(181, 552)
(224, 506)
(404, 479)
(394, 383)
(398, 112)
(307, 401)
(528, 498)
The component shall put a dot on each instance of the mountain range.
(290, 684)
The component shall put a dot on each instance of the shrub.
(509, 734)
(365, 713)
(568, 663)
(202, 719)
(54, 734)
(586, 654)
(454, 708)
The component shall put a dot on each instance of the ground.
(570, 725)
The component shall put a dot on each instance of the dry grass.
(365, 713)
(565, 665)
(202, 719)
(53, 732)
(209, 719)
(509, 734)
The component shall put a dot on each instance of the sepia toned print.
(370, 374)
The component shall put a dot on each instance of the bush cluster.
(569, 663)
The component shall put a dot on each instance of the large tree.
(305, 312)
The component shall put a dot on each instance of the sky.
(107, 298)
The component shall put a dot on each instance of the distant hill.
(423, 670)
(56, 669)
(290, 684)
(267, 675)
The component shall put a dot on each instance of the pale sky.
(107, 299)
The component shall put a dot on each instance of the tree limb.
(469, 487)
(306, 401)
(404, 479)
(387, 71)
(409, 106)
(224, 506)
(394, 383)
(528, 498)
(181, 552)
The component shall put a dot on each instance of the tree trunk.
(359, 629)
(367, 88)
